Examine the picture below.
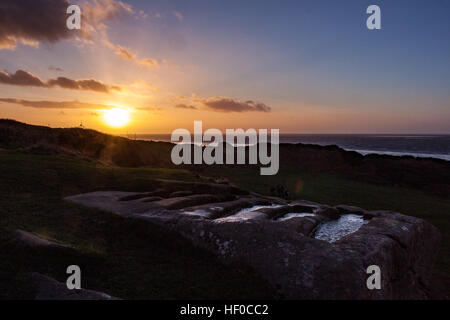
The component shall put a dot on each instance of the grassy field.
(116, 256)
(127, 260)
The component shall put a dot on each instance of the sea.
(421, 146)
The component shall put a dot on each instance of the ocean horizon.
(416, 145)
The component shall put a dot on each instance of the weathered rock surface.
(27, 239)
(241, 226)
(46, 288)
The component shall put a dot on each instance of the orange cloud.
(127, 54)
(148, 63)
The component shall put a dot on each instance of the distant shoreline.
(435, 146)
(400, 154)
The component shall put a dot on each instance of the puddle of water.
(334, 230)
(199, 213)
(257, 207)
(246, 216)
(295, 215)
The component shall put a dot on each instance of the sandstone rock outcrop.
(240, 226)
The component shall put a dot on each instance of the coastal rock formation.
(281, 242)
(46, 288)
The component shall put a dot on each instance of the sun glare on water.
(117, 117)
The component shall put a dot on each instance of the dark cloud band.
(27, 79)
(184, 106)
(54, 104)
(231, 105)
(31, 21)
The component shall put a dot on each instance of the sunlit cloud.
(127, 54)
(148, 63)
(178, 15)
(98, 12)
(27, 79)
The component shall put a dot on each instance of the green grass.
(116, 255)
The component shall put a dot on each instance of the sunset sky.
(300, 66)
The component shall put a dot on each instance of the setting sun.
(116, 117)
